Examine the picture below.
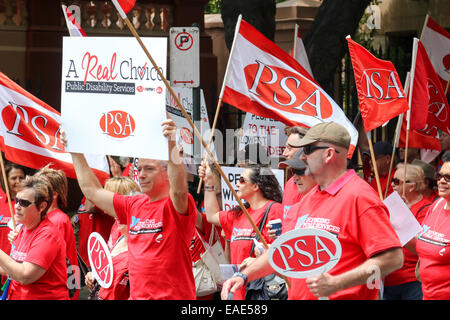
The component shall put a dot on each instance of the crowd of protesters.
(156, 228)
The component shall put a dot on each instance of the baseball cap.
(294, 162)
(381, 147)
(428, 169)
(331, 132)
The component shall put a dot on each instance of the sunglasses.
(22, 202)
(396, 181)
(445, 176)
(242, 180)
(307, 150)
(298, 172)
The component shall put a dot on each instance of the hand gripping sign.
(304, 253)
(100, 260)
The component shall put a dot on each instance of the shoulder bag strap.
(261, 225)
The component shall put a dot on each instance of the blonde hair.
(414, 174)
(122, 185)
(58, 182)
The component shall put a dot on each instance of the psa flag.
(299, 51)
(74, 28)
(380, 92)
(29, 133)
(264, 80)
(124, 6)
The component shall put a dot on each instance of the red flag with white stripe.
(124, 6)
(74, 28)
(29, 133)
(264, 80)
(299, 51)
(436, 41)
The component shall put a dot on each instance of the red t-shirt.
(160, 265)
(241, 233)
(5, 217)
(62, 222)
(434, 254)
(89, 222)
(352, 210)
(383, 183)
(408, 272)
(290, 194)
(120, 287)
(44, 247)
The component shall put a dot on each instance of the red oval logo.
(287, 91)
(100, 260)
(117, 124)
(186, 135)
(304, 253)
(32, 126)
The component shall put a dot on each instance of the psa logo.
(158, 90)
(186, 135)
(117, 124)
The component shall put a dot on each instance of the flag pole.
(219, 104)
(398, 129)
(186, 115)
(375, 169)
(5, 181)
(294, 48)
(446, 87)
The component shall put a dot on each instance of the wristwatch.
(243, 276)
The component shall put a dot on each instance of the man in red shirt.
(383, 153)
(291, 194)
(346, 205)
(160, 223)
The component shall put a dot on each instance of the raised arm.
(89, 183)
(175, 170)
(211, 204)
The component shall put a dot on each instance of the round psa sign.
(304, 253)
(100, 260)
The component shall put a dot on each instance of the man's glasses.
(445, 176)
(396, 181)
(307, 150)
(22, 202)
(298, 172)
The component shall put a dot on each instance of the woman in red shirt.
(37, 265)
(402, 284)
(258, 187)
(431, 244)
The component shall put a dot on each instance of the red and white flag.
(264, 80)
(124, 6)
(29, 133)
(436, 41)
(429, 106)
(380, 92)
(299, 51)
(74, 28)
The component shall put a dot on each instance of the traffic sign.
(184, 57)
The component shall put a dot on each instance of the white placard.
(265, 131)
(233, 174)
(112, 98)
(405, 224)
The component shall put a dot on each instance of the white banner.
(112, 98)
(233, 174)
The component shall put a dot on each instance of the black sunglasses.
(445, 176)
(397, 181)
(298, 172)
(23, 202)
(242, 179)
(307, 150)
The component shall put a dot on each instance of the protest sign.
(405, 224)
(304, 253)
(112, 98)
(100, 260)
(185, 135)
(266, 132)
(233, 174)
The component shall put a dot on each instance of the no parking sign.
(184, 57)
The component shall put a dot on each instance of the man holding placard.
(160, 223)
(346, 206)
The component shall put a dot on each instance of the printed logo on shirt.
(4, 221)
(146, 226)
(433, 237)
(242, 234)
(18, 256)
(316, 223)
